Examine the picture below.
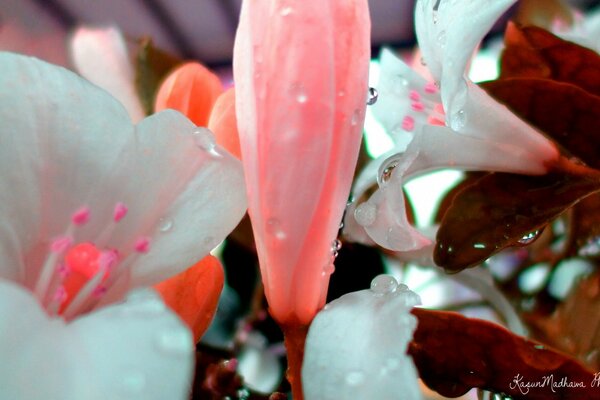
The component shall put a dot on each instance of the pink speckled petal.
(301, 85)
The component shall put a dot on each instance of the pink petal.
(301, 85)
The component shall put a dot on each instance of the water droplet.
(165, 225)
(441, 38)
(341, 93)
(528, 238)
(365, 214)
(175, 342)
(285, 11)
(355, 117)
(384, 284)
(336, 245)
(205, 140)
(355, 378)
(386, 169)
(133, 382)
(243, 394)
(298, 91)
(539, 347)
(372, 97)
(458, 120)
(274, 228)
(341, 225)
(479, 246)
(328, 269)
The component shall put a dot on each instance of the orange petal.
(194, 293)
(191, 89)
(223, 123)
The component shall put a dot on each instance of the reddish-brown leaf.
(536, 53)
(575, 327)
(500, 209)
(564, 112)
(454, 354)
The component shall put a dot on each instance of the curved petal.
(447, 39)
(191, 89)
(100, 56)
(194, 294)
(356, 346)
(223, 123)
(41, 359)
(296, 132)
(77, 147)
(137, 349)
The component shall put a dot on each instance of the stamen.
(414, 95)
(81, 216)
(60, 296)
(431, 88)
(120, 211)
(408, 123)
(84, 294)
(57, 247)
(60, 244)
(142, 245)
(417, 106)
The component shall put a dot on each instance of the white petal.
(356, 346)
(40, 358)
(137, 350)
(70, 144)
(100, 55)
(202, 193)
(396, 81)
(449, 35)
(58, 133)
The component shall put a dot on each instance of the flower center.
(76, 274)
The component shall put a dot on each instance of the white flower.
(480, 133)
(91, 207)
(356, 346)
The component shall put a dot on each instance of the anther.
(120, 212)
(81, 216)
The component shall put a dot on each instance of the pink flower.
(301, 73)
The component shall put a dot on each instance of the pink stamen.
(431, 88)
(108, 259)
(414, 95)
(60, 244)
(120, 212)
(142, 245)
(408, 123)
(417, 106)
(64, 271)
(81, 216)
(60, 295)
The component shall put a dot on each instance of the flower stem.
(295, 337)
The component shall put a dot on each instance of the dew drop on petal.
(205, 140)
(174, 342)
(285, 11)
(386, 169)
(458, 120)
(355, 378)
(297, 90)
(365, 214)
(384, 284)
(372, 97)
(165, 225)
(133, 382)
(441, 38)
(355, 117)
(274, 228)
